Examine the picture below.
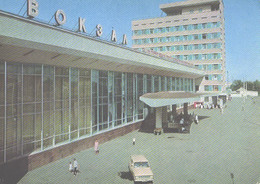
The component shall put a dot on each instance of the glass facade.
(43, 106)
(181, 38)
(178, 28)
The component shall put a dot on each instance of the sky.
(242, 24)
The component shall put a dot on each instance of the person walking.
(182, 121)
(133, 141)
(96, 147)
(196, 119)
(75, 164)
(222, 109)
(70, 167)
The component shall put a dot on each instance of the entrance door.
(215, 100)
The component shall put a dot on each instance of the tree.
(250, 86)
(256, 86)
(236, 85)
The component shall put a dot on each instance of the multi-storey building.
(192, 31)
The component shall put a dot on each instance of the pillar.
(185, 109)
(174, 110)
(164, 117)
(158, 122)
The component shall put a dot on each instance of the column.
(158, 114)
(164, 117)
(185, 110)
(174, 110)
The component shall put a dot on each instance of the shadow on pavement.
(203, 117)
(12, 172)
(126, 175)
(147, 126)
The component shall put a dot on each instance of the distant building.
(191, 31)
(241, 92)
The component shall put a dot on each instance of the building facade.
(192, 31)
(60, 89)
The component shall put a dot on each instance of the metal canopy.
(165, 98)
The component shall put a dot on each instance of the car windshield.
(141, 164)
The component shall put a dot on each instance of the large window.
(118, 98)
(156, 84)
(42, 106)
(2, 110)
(103, 100)
(204, 56)
(140, 92)
(84, 102)
(203, 46)
(130, 96)
(149, 84)
(206, 88)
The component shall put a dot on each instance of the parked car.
(140, 169)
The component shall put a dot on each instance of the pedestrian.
(70, 167)
(96, 147)
(133, 141)
(222, 110)
(75, 164)
(182, 121)
(196, 119)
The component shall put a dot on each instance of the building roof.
(170, 7)
(29, 41)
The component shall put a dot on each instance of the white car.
(140, 169)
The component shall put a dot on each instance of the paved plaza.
(221, 149)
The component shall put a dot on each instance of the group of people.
(74, 168)
(207, 106)
(182, 119)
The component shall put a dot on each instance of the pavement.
(221, 149)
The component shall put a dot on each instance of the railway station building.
(60, 89)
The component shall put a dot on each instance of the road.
(221, 149)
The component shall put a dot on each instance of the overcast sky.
(242, 24)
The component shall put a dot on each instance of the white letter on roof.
(99, 30)
(32, 8)
(124, 42)
(113, 36)
(82, 27)
(57, 17)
